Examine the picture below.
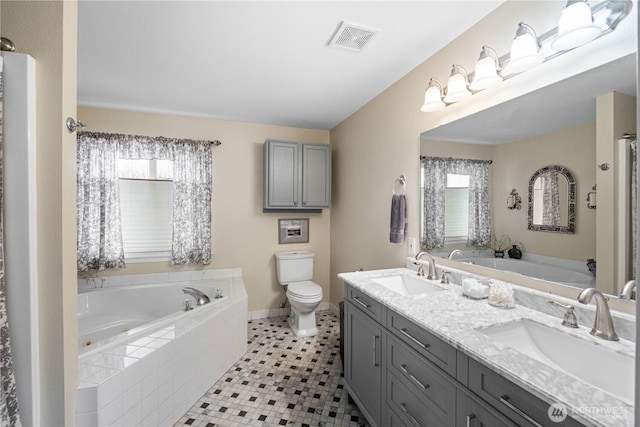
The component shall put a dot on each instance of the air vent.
(352, 37)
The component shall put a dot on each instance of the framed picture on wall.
(293, 230)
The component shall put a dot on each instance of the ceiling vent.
(352, 37)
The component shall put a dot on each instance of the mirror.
(552, 200)
(555, 125)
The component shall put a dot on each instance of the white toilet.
(295, 271)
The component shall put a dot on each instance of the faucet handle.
(420, 268)
(569, 320)
(445, 277)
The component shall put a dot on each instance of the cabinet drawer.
(436, 390)
(516, 403)
(365, 303)
(409, 406)
(472, 412)
(425, 343)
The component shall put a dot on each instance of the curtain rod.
(453, 158)
(215, 142)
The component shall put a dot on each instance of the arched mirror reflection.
(552, 200)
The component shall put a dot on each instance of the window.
(456, 220)
(146, 208)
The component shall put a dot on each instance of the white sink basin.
(405, 284)
(585, 359)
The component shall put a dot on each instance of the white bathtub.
(167, 358)
(543, 271)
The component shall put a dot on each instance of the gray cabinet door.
(316, 175)
(281, 174)
(363, 362)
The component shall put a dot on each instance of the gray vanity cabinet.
(297, 176)
(363, 362)
(472, 412)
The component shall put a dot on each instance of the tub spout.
(200, 297)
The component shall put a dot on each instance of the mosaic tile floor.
(281, 380)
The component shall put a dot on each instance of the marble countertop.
(455, 318)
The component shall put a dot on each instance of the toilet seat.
(304, 290)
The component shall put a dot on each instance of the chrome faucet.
(603, 325)
(432, 266)
(628, 290)
(201, 298)
(455, 252)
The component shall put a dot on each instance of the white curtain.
(435, 170)
(100, 243)
(9, 414)
(550, 199)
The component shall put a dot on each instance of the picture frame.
(293, 230)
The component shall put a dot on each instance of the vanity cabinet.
(363, 362)
(400, 374)
(297, 176)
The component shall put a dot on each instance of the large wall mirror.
(531, 135)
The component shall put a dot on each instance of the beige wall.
(47, 31)
(381, 140)
(242, 235)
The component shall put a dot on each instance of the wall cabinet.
(297, 176)
(399, 374)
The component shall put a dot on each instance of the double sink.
(577, 353)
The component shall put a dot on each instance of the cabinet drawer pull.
(404, 369)
(356, 299)
(505, 400)
(470, 418)
(403, 406)
(375, 352)
(404, 332)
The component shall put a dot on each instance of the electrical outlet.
(412, 246)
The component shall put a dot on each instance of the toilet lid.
(304, 289)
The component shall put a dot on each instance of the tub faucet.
(629, 290)
(455, 252)
(432, 266)
(201, 298)
(603, 325)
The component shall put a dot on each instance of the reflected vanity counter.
(566, 272)
(459, 322)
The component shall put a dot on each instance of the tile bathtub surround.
(281, 380)
(152, 378)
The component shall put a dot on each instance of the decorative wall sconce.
(578, 24)
(591, 198)
(514, 201)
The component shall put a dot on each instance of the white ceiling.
(260, 61)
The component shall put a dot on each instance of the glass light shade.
(486, 74)
(457, 86)
(525, 51)
(575, 27)
(432, 98)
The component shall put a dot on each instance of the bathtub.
(143, 358)
(539, 270)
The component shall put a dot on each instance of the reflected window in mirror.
(552, 192)
(445, 212)
(456, 218)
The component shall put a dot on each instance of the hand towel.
(398, 219)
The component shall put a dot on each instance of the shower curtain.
(9, 415)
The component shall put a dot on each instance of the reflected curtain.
(550, 199)
(99, 228)
(435, 170)
(9, 414)
(634, 202)
(193, 171)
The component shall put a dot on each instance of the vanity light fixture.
(457, 85)
(487, 70)
(525, 50)
(576, 26)
(579, 23)
(433, 97)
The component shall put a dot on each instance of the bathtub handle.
(187, 305)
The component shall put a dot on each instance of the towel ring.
(400, 186)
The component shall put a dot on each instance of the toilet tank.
(294, 266)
